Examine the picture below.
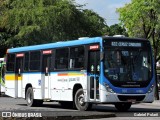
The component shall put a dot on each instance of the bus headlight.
(108, 88)
(151, 89)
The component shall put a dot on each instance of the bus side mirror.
(101, 56)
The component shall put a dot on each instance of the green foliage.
(141, 19)
(117, 30)
(28, 22)
(94, 22)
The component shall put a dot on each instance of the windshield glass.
(127, 63)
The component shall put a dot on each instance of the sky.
(105, 8)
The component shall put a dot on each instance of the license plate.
(131, 100)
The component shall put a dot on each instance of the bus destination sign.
(126, 44)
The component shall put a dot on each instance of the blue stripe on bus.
(129, 90)
(56, 45)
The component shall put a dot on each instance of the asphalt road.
(53, 110)
(17, 108)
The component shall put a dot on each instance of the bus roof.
(123, 38)
(56, 44)
(68, 43)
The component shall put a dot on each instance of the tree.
(141, 18)
(29, 22)
(116, 29)
(36, 21)
(96, 25)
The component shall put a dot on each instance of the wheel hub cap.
(81, 100)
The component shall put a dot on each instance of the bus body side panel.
(24, 83)
(62, 84)
(19, 82)
(14, 85)
(10, 84)
(35, 80)
(55, 87)
(77, 79)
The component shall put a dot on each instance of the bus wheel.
(80, 104)
(30, 98)
(123, 106)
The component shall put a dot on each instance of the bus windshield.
(130, 64)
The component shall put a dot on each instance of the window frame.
(55, 59)
(84, 57)
(40, 59)
(13, 62)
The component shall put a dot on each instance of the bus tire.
(79, 101)
(123, 106)
(31, 102)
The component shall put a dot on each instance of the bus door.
(94, 71)
(18, 74)
(46, 83)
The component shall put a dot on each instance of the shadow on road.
(97, 108)
(110, 108)
(50, 105)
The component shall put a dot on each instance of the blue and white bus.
(99, 70)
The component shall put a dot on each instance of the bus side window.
(35, 60)
(10, 62)
(61, 59)
(77, 57)
(26, 62)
